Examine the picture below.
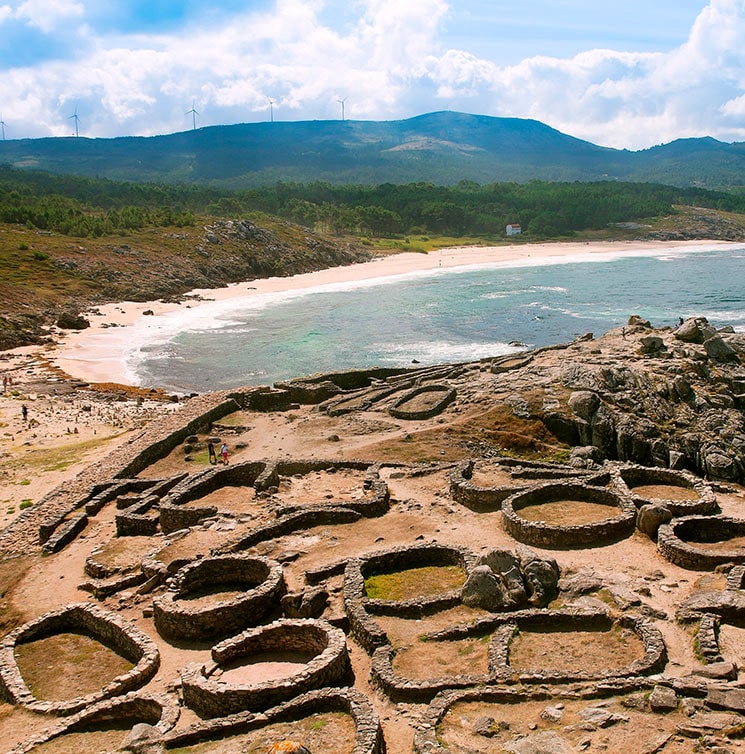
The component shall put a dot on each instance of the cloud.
(615, 98)
(386, 59)
(46, 14)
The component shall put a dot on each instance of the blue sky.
(628, 75)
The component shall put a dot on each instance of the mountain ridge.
(442, 147)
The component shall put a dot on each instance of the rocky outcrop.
(159, 264)
(657, 397)
(72, 321)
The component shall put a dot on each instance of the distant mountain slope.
(441, 148)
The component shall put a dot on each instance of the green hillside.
(442, 148)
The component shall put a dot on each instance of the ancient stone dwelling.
(541, 552)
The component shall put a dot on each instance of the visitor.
(224, 453)
(211, 450)
(24, 412)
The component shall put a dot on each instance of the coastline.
(98, 354)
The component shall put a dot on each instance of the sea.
(431, 317)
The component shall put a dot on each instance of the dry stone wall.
(105, 627)
(262, 582)
(209, 696)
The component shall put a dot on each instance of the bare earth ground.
(39, 457)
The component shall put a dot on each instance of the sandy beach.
(97, 354)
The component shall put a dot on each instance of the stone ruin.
(462, 631)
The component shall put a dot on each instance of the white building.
(513, 230)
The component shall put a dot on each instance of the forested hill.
(93, 207)
(442, 148)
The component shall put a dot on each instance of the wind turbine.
(193, 114)
(271, 110)
(2, 126)
(341, 102)
(74, 117)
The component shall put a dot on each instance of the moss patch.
(414, 582)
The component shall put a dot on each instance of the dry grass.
(441, 659)
(12, 572)
(65, 666)
(574, 651)
(330, 733)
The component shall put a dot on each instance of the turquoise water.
(435, 317)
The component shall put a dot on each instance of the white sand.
(98, 354)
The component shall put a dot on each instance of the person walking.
(24, 413)
(224, 453)
(211, 450)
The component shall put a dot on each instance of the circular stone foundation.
(265, 666)
(103, 726)
(423, 402)
(595, 718)
(425, 597)
(85, 620)
(180, 509)
(307, 719)
(570, 646)
(681, 493)
(701, 543)
(179, 549)
(566, 502)
(354, 485)
(483, 486)
(118, 556)
(217, 597)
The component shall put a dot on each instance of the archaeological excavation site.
(537, 553)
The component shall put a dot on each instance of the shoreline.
(98, 354)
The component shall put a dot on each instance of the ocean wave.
(713, 315)
(436, 352)
(550, 288)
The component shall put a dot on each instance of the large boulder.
(603, 432)
(652, 344)
(584, 403)
(636, 321)
(651, 517)
(541, 577)
(683, 388)
(719, 464)
(308, 604)
(142, 739)
(694, 330)
(585, 457)
(563, 427)
(505, 565)
(72, 321)
(485, 590)
(717, 350)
